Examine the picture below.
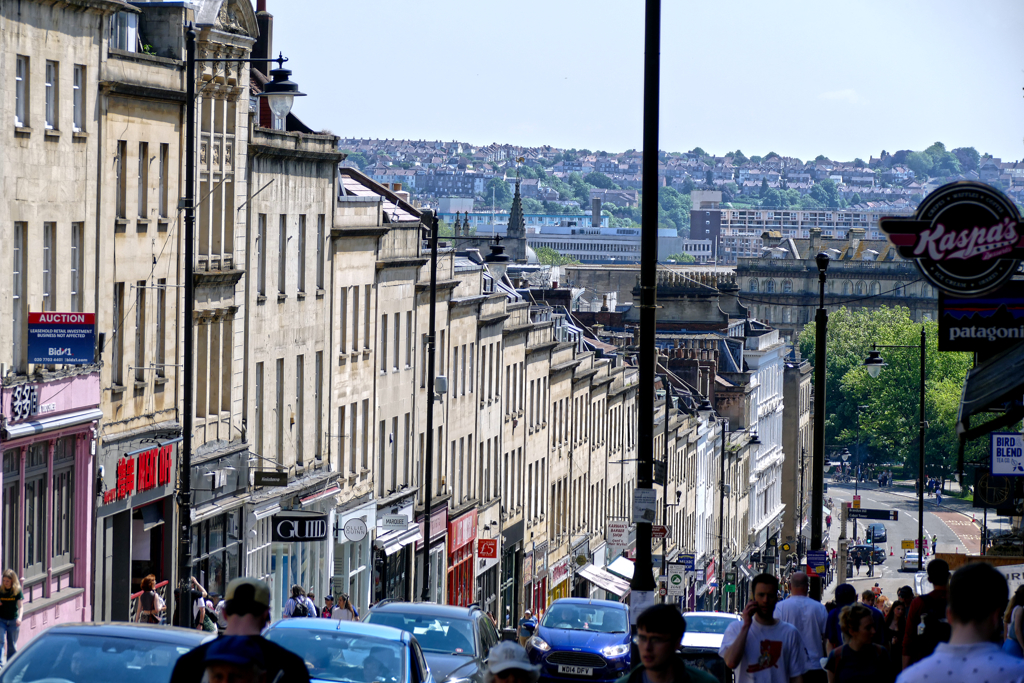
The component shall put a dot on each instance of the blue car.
(352, 651)
(582, 640)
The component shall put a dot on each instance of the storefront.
(461, 558)
(393, 550)
(135, 520)
(438, 553)
(528, 579)
(540, 578)
(560, 586)
(515, 582)
(47, 497)
(580, 556)
(352, 552)
(487, 575)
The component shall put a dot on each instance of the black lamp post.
(280, 93)
(818, 446)
(874, 363)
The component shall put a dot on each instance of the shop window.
(216, 543)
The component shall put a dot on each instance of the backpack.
(933, 627)
(300, 609)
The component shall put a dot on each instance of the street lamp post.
(874, 364)
(818, 447)
(280, 94)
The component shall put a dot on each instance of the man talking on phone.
(761, 648)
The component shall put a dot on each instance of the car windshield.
(88, 658)
(707, 624)
(586, 618)
(333, 656)
(450, 635)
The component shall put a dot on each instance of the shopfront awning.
(48, 424)
(994, 386)
(623, 567)
(393, 541)
(603, 579)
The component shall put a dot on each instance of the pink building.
(47, 440)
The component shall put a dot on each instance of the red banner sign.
(487, 548)
(462, 531)
(146, 471)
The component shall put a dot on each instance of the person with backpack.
(151, 605)
(859, 658)
(977, 596)
(926, 619)
(298, 605)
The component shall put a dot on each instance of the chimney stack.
(595, 212)
(264, 47)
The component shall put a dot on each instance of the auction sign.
(965, 237)
(62, 338)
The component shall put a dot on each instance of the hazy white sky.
(799, 78)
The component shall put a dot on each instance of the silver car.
(908, 563)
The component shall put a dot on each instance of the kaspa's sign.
(965, 237)
(299, 528)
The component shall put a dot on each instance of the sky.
(844, 80)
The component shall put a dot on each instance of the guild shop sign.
(299, 528)
(145, 472)
(965, 237)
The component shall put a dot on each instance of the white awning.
(602, 579)
(622, 566)
(393, 541)
(47, 424)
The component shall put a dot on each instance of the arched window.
(846, 288)
(876, 288)
(898, 289)
(787, 286)
(831, 286)
(860, 289)
(753, 284)
(769, 286)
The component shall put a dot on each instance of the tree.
(531, 205)
(769, 155)
(859, 163)
(709, 177)
(968, 157)
(357, 158)
(600, 180)
(501, 193)
(826, 193)
(756, 159)
(698, 152)
(738, 157)
(682, 258)
(764, 188)
(855, 199)
(549, 257)
(821, 157)
(920, 163)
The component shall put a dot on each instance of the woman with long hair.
(344, 611)
(151, 605)
(1012, 624)
(895, 630)
(11, 605)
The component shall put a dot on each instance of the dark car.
(455, 640)
(877, 554)
(582, 640)
(876, 532)
(83, 653)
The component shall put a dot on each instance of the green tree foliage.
(531, 205)
(549, 257)
(698, 152)
(826, 193)
(357, 158)
(764, 188)
(968, 157)
(738, 157)
(756, 159)
(600, 180)
(682, 258)
(579, 189)
(855, 199)
(889, 424)
(501, 193)
(859, 163)
(821, 157)
(920, 163)
(674, 206)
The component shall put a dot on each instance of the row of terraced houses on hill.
(311, 309)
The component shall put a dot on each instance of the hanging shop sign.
(462, 531)
(299, 527)
(354, 529)
(1007, 454)
(559, 571)
(964, 236)
(64, 338)
(487, 548)
(988, 324)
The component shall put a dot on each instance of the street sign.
(270, 478)
(908, 545)
(856, 502)
(867, 513)
(816, 562)
(645, 503)
(659, 531)
(662, 591)
(677, 580)
(786, 547)
(687, 561)
(773, 542)
(660, 472)
(729, 588)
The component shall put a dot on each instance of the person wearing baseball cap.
(508, 662)
(242, 649)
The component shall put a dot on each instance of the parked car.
(908, 563)
(703, 638)
(580, 639)
(351, 651)
(876, 532)
(83, 653)
(878, 555)
(455, 640)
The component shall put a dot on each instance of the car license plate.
(575, 670)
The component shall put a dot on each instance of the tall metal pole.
(185, 482)
(721, 519)
(920, 474)
(428, 466)
(664, 488)
(642, 584)
(818, 449)
(800, 525)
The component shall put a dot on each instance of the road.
(955, 531)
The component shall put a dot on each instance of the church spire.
(516, 220)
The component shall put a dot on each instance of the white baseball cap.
(508, 655)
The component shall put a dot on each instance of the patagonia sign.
(298, 527)
(966, 238)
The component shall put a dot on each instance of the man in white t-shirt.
(809, 617)
(978, 594)
(761, 648)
